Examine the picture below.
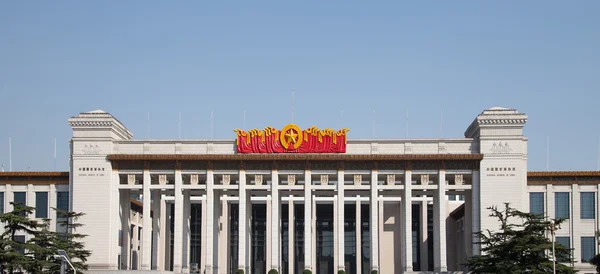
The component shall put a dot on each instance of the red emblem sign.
(291, 139)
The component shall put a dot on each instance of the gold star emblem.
(291, 135)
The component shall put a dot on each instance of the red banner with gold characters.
(291, 139)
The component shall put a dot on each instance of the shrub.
(373, 271)
(273, 271)
(239, 271)
(306, 271)
(341, 271)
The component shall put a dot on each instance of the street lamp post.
(552, 228)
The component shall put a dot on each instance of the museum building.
(292, 199)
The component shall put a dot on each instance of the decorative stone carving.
(391, 179)
(258, 180)
(408, 148)
(501, 148)
(162, 179)
(226, 179)
(424, 179)
(92, 149)
(194, 179)
(324, 179)
(442, 148)
(291, 179)
(131, 179)
(357, 179)
(459, 179)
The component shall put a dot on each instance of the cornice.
(293, 157)
(33, 174)
(563, 173)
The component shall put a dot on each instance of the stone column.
(374, 225)
(340, 221)
(308, 255)
(178, 226)
(476, 212)
(358, 237)
(424, 245)
(275, 220)
(242, 224)
(147, 223)
(291, 257)
(210, 217)
(156, 229)
(407, 206)
(439, 226)
(166, 235)
(186, 231)
(125, 227)
(51, 204)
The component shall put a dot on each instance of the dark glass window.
(299, 237)
(20, 239)
(588, 205)
(365, 238)
(588, 249)
(536, 203)
(416, 235)
(62, 201)
(20, 198)
(195, 234)
(325, 239)
(41, 204)
(285, 236)
(350, 238)
(259, 239)
(566, 242)
(1, 202)
(234, 231)
(562, 205)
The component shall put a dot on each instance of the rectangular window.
(561, 200)
(588, 206)
(62, 201)
(566, 242)
(20, 198)
(461, 197)
(1, 202)
(536, 203)
(41, 204)
(588, 249)
(452, 197)
(21, 240)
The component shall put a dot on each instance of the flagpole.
(179, 125)
(547, 153)
(10, 153)
(211, 124)
(373, 123)
(54, 153)
(148, 124)
(406, 123)
(442, 122)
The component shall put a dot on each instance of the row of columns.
(159, 225)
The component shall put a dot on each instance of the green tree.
(70, 240)
(519, 246)
(595, 261)
(42, 249)
(12, 252)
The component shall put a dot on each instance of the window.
(561, 200)
(62, 201)
(452, 197)
(588, 205)
(41, 204)
(588, 249)
(20, 198)
(461, 197)
(536, 203)
(566, 242)
(21, 240)
(1, 202)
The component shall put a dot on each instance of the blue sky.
(58, 59)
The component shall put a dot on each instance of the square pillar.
(308, 221)
(185, 254)
(178, 226)
(291, 225)
(358, 236)
(211, 248)
(275, 221)
(156, 229)
(146, 222)
(242, 261)
(424, 245)
(374, 225)
(439, 225)
(407, 224)
(340, 222)
(125, 213)
(476, 212)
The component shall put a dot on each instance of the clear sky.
(60, 58)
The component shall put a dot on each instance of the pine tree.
(42, 250)
(70, 240)
(520, 246)
(12, 253)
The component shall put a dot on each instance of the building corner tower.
(93, 184)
